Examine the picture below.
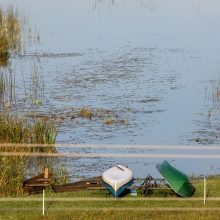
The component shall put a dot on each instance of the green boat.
(176, 179)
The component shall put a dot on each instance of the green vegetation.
(94, 204)
(14, 169)
(14, 32)
(17, 130)
(4, 47)
(36, 86)
(10, 33)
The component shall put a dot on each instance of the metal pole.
(204, 190)
(43, 201)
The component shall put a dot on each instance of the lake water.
(152, 66)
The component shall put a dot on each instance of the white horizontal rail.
(133, 209)
(88, 199)
(112, 146)
(111, 155)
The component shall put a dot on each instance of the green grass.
(94, 204)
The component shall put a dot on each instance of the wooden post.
(204, 191)
(43, 202)
(46, 173)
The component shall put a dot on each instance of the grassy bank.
(111, 210)
(96, 205)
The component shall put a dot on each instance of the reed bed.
(14, 33)
(15, 169)
(10, 32)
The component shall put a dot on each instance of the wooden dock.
(37, 184)
(87, 184)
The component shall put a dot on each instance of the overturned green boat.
(176, 179)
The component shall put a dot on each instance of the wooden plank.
(43, 180)
(92, 183)
(37, 184)
(155, 188)
(96, 188)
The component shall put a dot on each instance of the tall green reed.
(10, 32)
(14, 33)
(14, 169)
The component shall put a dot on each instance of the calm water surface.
(153, 64)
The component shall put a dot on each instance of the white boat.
(117, 179)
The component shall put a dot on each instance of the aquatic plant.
(14, 168)
(86, 112)
(10, 33)
(14, 33)
(4, 47)
(13, 29)
(36, 86)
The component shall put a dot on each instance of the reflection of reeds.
(216, 91)
(2, 86)
(212, 92)
(208, 133)
(14, 168)
(7, 88)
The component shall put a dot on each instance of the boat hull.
(120, 190)
(117, 179)
(177, 180)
